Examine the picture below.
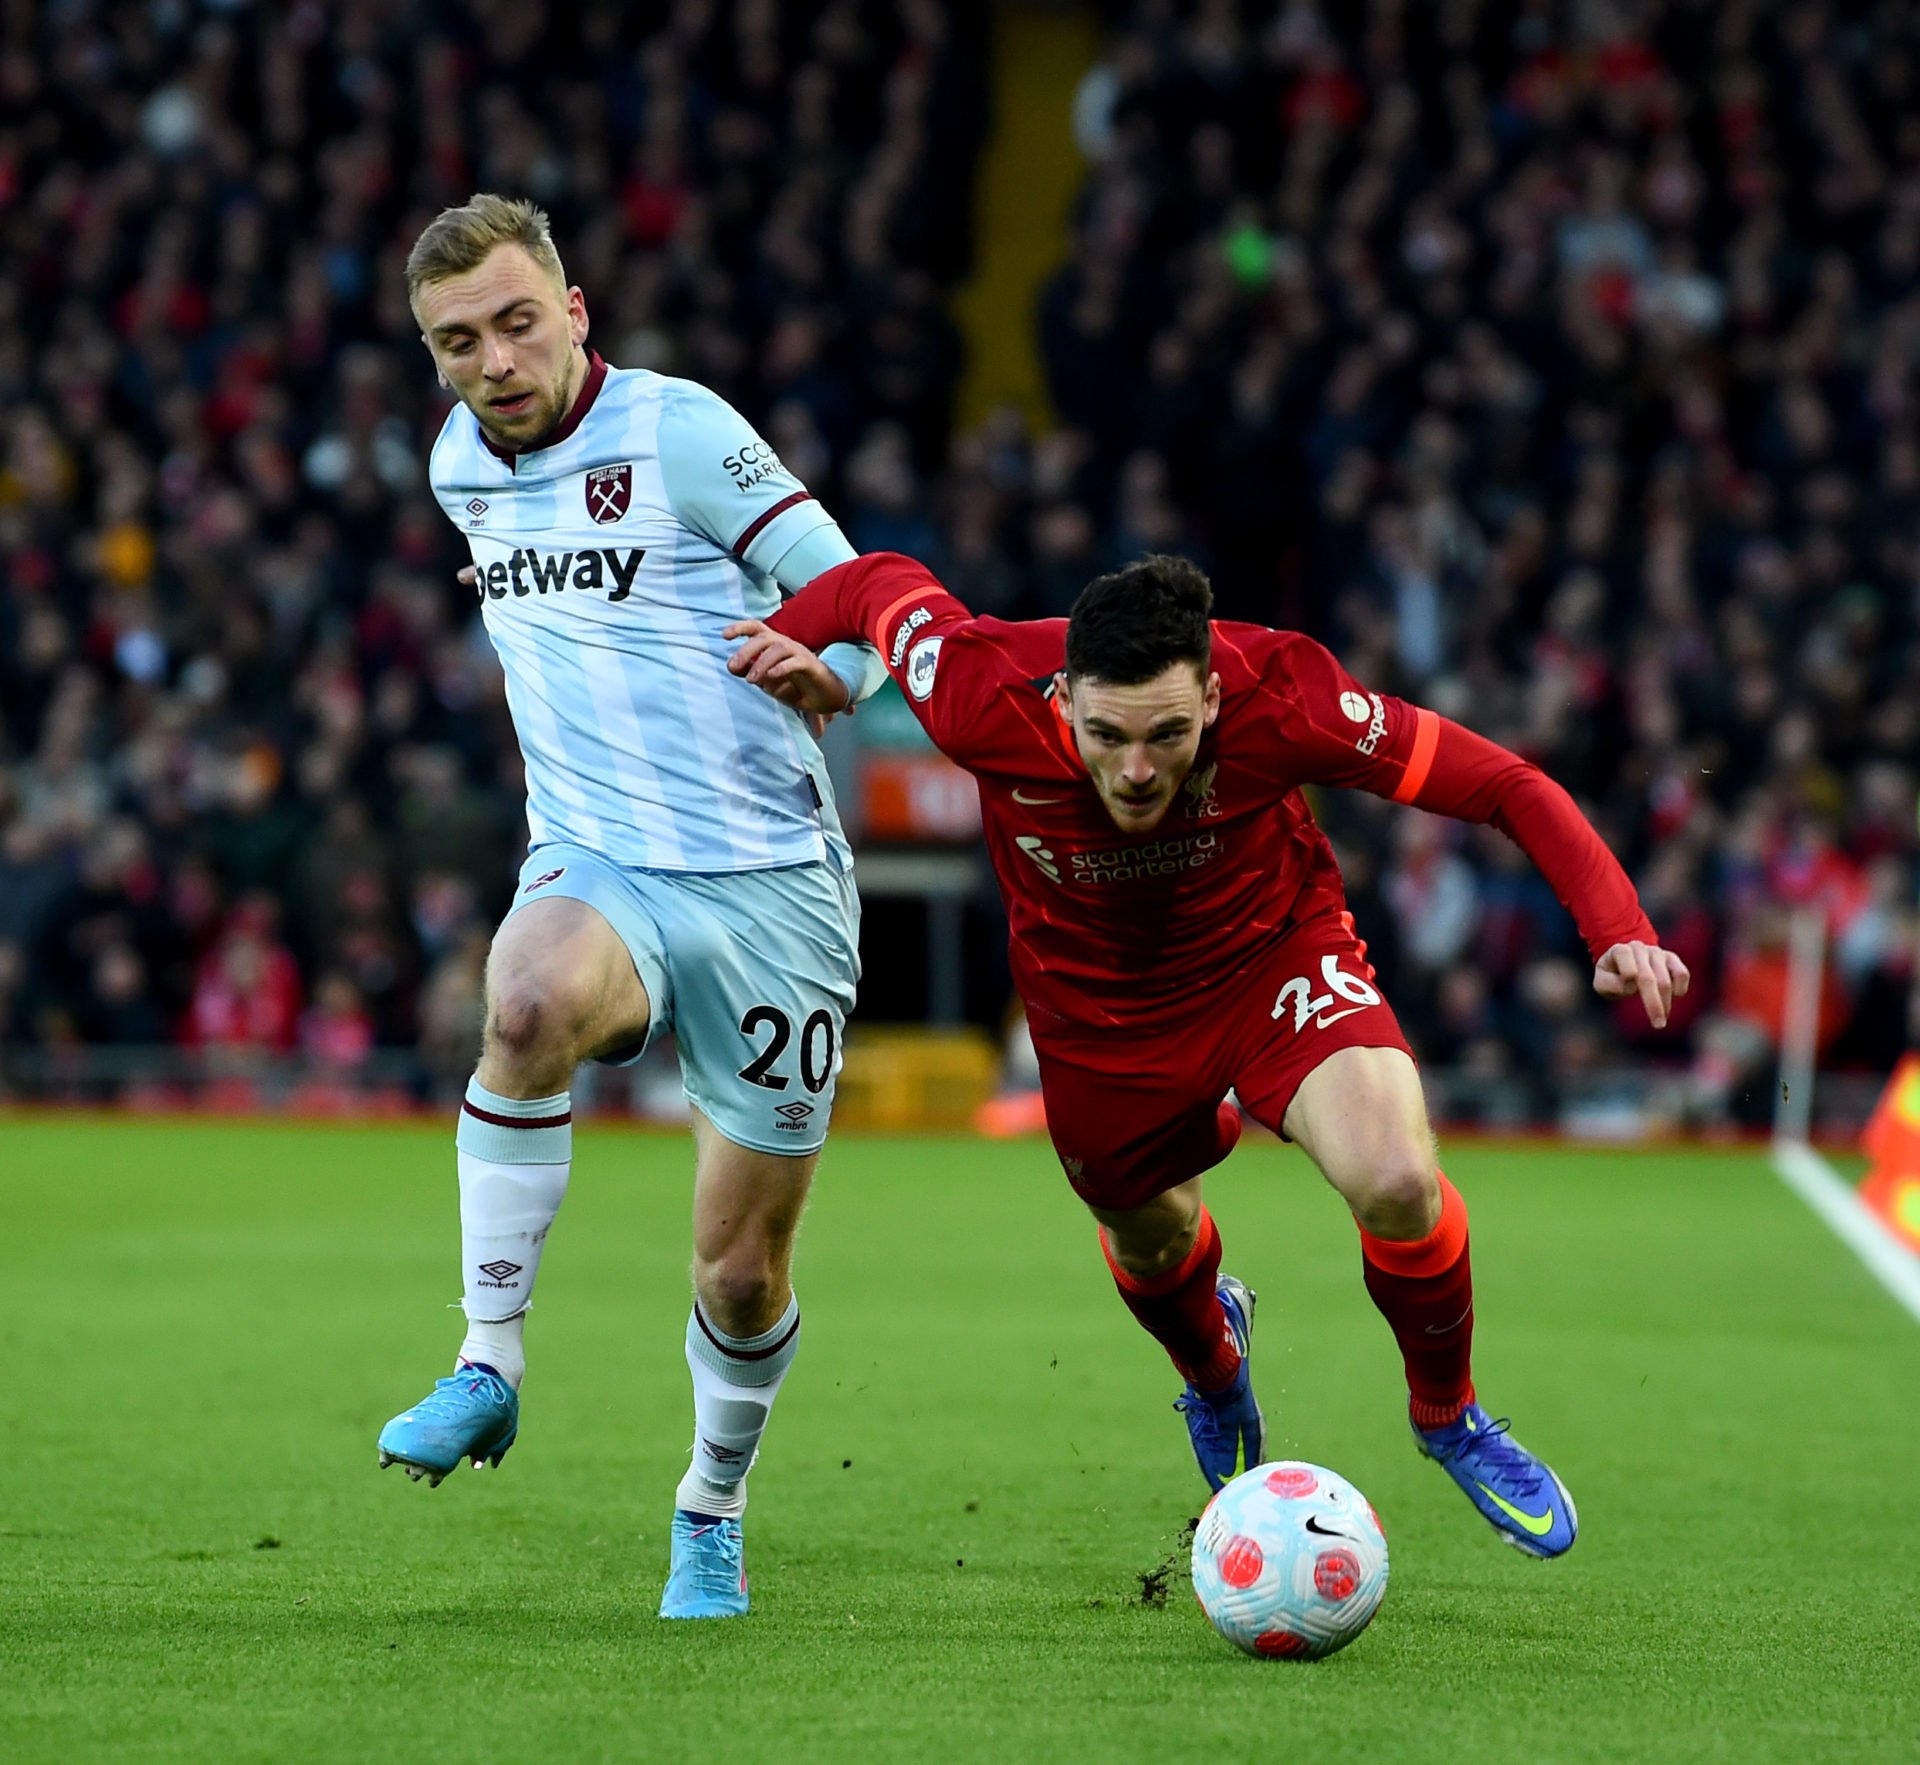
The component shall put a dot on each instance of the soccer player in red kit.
(1179, 931)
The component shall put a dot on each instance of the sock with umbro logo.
(514, 1156)
(735, 1380)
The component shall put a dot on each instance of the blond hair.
(460, 239)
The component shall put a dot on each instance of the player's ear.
(576, 316)
(1063, 692)
(1211, 703)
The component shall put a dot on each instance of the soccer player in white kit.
(686, 868)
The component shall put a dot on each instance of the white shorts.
(753, 971)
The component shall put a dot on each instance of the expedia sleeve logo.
(921, 663)
(1358, 709)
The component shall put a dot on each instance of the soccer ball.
(1289, 1561)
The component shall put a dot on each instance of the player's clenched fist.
(1657, 975)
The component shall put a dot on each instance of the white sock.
(735, 1380)
(514, 1156)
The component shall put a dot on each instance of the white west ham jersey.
(609, 562)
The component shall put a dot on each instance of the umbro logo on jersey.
(477, 511)
(531, 571)
(499, 1271)
(609, 492)
(793, 1115)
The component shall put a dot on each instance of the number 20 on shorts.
(816, 1048)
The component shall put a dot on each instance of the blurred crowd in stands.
(1554, 363)
(257, 784)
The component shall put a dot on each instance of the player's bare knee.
(1153, 1252)
(738, 1292)
(1149, 1240)
(534, 1023)
(1397, 1195)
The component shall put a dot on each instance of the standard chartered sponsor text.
(1155, 858)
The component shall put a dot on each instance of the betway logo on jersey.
(608, 570)
(1122, 863)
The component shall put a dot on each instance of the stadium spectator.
(233, 656)
(247, 995)
(1555, 365)
(1572, 351)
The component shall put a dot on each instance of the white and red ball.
(1289, 1561)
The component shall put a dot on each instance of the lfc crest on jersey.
(1202, 805)
(609, 492)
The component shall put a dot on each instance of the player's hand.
(466, 576)
(1657, 975)
(790, 671)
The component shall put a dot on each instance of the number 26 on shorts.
(1313, 1008)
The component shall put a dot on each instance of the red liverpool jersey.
(1115, 928)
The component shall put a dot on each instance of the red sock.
(1424, 1289)
(1182, 1312)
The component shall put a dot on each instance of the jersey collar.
(1063, 731)
(583, 402)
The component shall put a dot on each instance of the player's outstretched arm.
(1347, 735)
(885, 599)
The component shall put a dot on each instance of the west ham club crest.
(609, 491)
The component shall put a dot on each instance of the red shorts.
(1136, 1111)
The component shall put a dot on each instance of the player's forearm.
(817, 616)
(860, 668)
(1473, 779)
(850, 603)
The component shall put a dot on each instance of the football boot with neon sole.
(708, 1576)
(1518, 1494)
(1229, 1433)
(472, 1414)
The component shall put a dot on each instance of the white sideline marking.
(1824, 1190)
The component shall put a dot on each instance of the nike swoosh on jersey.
(1538, 1524)
(1034, 802)
(1320, 1023)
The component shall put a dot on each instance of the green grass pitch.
(973, 1470)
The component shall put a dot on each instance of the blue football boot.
(471, 1414)
(708, 1578)
(1519, 1494)
(1229, 1433)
